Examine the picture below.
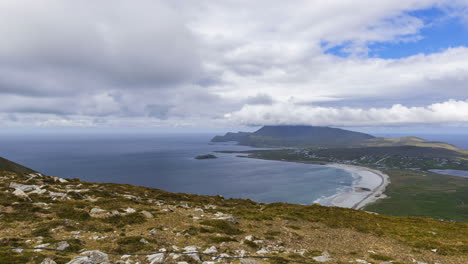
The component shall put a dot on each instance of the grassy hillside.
(122, 219)
(6, 165)
(411, 141)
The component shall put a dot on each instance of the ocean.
(167, 162)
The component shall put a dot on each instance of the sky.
(174, 65)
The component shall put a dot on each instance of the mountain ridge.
(293, 136)
(314, 136)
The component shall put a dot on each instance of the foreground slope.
(39, 211)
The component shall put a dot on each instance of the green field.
(428, 194)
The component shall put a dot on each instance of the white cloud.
(451, 111)
(166, 62)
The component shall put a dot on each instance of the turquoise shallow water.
(167, 162)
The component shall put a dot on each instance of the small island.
(206, 156)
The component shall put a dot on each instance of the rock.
(154, 231)
(193, 252)
(96, 257)
(55, 195)
(156, 258)
(80, 260)
(191, 249)
(18, 250)
(249, 238)
(362, 261)
(147, 214)
(41, 246)
(62, 245)
(210, 250)
(144, 241)
(182, 262)
(97, 212)
(57, 179)
(48, 261)
(23, 187)
(263, 251)
(130, 210)
(324, 258)
(249, 261)
(21, 194)
(208, 262)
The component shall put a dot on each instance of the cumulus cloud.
(451, 111)
(174, 62)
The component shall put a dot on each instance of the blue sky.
(440, 32)
(179, 65)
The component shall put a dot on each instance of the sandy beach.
(368, 186)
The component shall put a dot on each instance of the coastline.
(368, 186)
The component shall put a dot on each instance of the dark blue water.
(167, 162)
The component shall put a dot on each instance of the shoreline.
(354, 197)
(368, 186)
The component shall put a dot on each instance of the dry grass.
(296, 231)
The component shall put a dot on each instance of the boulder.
(96, 257)
(147, 214)
(97, 212)
(62, 245)
(210, 250)
(21, 194)
(23, 187)
(263, 251)
(48, 261)
(156, 258)
(324, 258)
(130, 210)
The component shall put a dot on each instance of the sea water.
(167, 162)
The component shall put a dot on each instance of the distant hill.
(294, 136)
(411, 141)
(7, 165)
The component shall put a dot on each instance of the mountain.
(294, 136)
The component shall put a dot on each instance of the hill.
(7, 165)
(294, 136)
(411, 141)
(72, 221)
